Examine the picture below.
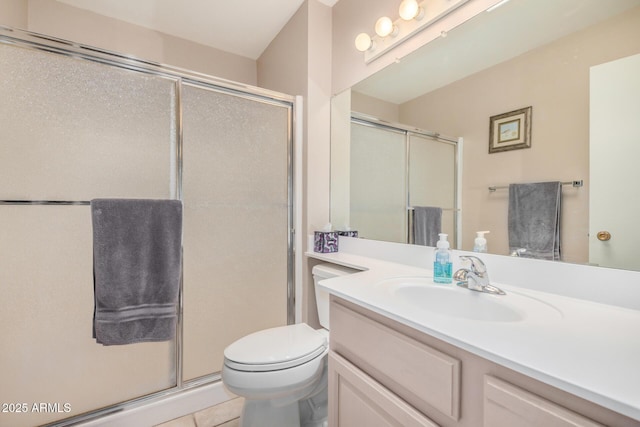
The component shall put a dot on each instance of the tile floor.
(223, 415)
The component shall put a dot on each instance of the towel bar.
(410, 208)
(576, 183)
(44, 202)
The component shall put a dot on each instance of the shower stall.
(77, 123)
(382, 170)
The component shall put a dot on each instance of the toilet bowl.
(282, 372)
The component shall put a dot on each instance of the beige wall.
(13, 13)
(378, 108)
(290, 47)
(70, 23)
(554, 80)
(298, 61)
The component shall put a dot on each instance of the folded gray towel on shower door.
(427, 224)
(137, 261)
(534, 219)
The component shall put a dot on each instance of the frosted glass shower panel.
(378, 183)
(76, 129)
(72, 129)
(46, 311)
(432, 177)
(432, 173)
(236, 231)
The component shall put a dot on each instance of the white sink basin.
(454, 301)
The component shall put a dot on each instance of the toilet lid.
(276, 348)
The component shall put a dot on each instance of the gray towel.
(137, 251)
(427, 224)
(534, 219)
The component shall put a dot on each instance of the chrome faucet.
(518, 252)
(475, 278)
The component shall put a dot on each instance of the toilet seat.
(276, 349)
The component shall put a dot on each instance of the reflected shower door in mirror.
(383, 171)
(499, 62)
(377, 207)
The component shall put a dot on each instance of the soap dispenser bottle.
(480, 244)
(442, 266)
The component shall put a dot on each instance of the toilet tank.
(321, 272)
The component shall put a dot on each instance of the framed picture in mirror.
(510, 131)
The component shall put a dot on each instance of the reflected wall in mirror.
(525, 53)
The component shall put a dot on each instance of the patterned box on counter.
(349, 233)
(325, 241)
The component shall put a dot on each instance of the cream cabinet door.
(355, 399)
(422, 376)
(506, 405)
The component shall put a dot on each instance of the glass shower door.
(391, 170)
(378, 183)
(236, 159)
(77, 124)
(432, 178)
(72, 130)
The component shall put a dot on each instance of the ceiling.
(488, 39)
(244, 27)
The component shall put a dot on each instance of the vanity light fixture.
(410, 9)
(385, 27)
(364, 42)
(414, 16)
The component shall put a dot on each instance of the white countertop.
(588, 349)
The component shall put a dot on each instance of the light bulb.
(410, 9)
(363, 42)
(384, 27)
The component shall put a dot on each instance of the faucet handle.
(477, 266)
(477, 278)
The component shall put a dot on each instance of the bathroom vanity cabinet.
(384, 373)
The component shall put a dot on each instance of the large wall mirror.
(574, 62)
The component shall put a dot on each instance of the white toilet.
(282, 372)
